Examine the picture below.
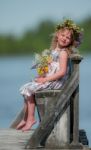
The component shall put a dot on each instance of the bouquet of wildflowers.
(42, 62)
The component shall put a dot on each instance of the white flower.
(37, 58)
(46, 52)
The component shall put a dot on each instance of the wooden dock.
(11, 139)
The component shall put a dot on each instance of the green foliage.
(38, 39)
(86, 45)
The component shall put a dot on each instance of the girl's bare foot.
(28, 125)
(20, 125)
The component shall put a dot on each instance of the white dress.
(31, 87)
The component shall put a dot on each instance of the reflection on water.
(15, 71)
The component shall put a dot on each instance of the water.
(15, 71)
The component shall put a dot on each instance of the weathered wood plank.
(76, 57)
(11, 139)
(76, 117)
(47, 93)
(75, 103)
(58, 107)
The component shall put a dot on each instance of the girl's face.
(64, 38)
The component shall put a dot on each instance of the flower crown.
(77, 31)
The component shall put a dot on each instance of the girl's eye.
(69, 38)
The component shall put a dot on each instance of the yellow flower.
(42, 70)
(46, 69)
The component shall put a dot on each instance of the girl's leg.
(31, 114)
(23, 121)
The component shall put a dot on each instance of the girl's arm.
(63, 58)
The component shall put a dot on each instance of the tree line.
(35, 40)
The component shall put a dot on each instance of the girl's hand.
(41, 80)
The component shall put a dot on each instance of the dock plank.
(13, 139)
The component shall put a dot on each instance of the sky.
(16, 16)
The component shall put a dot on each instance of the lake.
(15, 71)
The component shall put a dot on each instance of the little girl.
(66, 36)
